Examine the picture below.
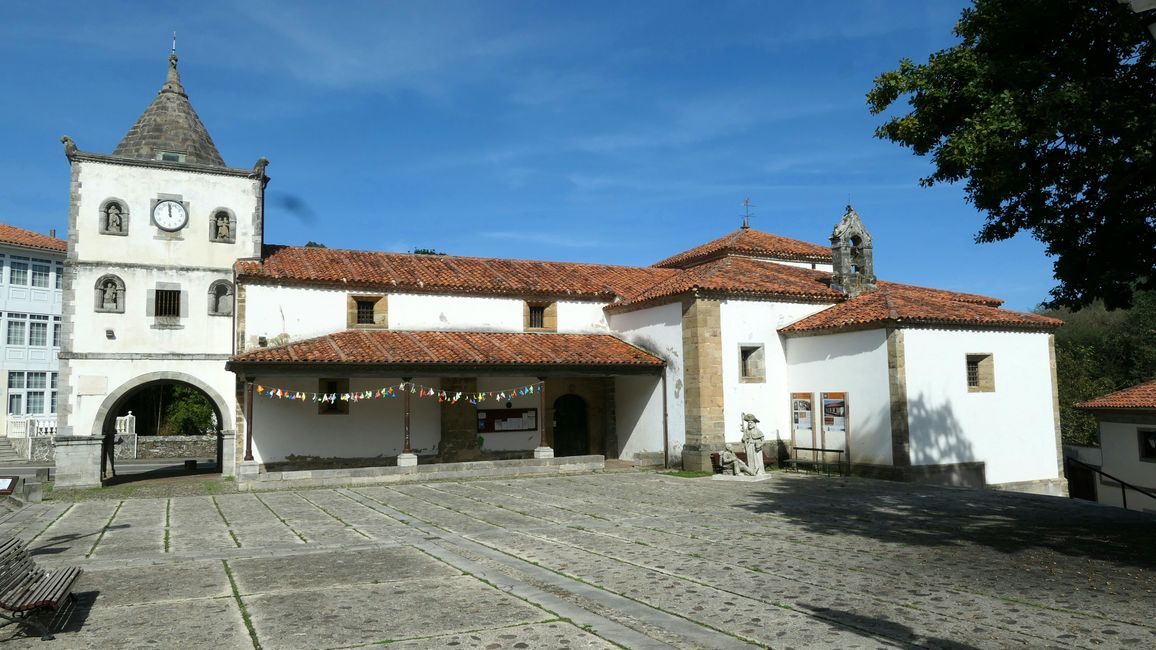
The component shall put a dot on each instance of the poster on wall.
(835, 421)
(802, 419)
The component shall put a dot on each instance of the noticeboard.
(498, 420)
(803, 420)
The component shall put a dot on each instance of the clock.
(170, 215)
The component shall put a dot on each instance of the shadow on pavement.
(881, 629)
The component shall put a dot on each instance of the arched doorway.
(163, 405)
(571, 434)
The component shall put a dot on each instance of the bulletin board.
(498, 420)
(803, 420)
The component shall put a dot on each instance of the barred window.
(168, 303)
(537, 316)
(980, 373)
(365, 312)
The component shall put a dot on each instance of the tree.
(313, 244)
(1046, 110)
(188, 412)
(426, 251)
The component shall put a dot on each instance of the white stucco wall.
(805, 265)
(658, 330)
(638, 415)
(299, 312)
(1120, 448)
(854, 363)
(408, 311)
(1012, 429)
(582, 317)
(137, 187)
(371, 428)
(747, 322)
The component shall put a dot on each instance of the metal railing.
(1124, 485)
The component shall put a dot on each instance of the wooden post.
(405, 447)
(249, 419)
(542, 411)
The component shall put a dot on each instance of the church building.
(318, 359)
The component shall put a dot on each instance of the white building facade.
(316, 357)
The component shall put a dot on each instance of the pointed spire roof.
(170, 125)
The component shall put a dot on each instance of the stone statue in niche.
(222, 230)
(109, 295)
(732, 464)
(114, 222)
(753, 441)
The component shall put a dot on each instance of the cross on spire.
(747, 205)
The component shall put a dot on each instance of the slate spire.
(169, 129)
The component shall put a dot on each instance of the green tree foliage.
(313, 244)
(1045, 109)
(426, 251)
(1100, 351)
(187, 412)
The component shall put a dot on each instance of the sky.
(589, 131)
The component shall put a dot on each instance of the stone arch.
(221, 298)
(222, 226)
(120, 221)
(113, 399)
(109, 294)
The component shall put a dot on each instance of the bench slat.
(50, 592)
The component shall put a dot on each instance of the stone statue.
(259, 168)
(732, 464)
(753, 441)
(69, 146)
(109, 294)
(114, 222)
(223, 231)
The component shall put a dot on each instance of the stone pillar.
(78, 461)
(459, 435)
(702, 354)
(228, 453)
(897, 387)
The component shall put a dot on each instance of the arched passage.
(204, 410)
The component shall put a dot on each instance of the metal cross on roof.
(747, 205)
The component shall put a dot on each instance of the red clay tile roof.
(907, 305)
(746, 241)
(1142, 396)
(448, 273)
(450, 349)
(28, 239)
(742, 276)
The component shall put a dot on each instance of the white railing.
(31, 426)
(126, 424)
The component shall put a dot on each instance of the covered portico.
(363, 398)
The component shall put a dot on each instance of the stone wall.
(702, 352)
(177, 446)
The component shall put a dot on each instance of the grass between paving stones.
(100, 535)
(168, 510)
(683, 473)
(241, 605)
(279, 518)
(228, 526)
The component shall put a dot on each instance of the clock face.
(170, 215)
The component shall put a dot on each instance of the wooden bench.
(26, 589)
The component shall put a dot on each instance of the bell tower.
(854, 266)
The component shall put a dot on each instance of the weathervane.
(747, 205)
(174, 50)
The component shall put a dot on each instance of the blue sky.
(579, 131)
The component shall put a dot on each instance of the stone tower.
(154, 231)
(854, 266)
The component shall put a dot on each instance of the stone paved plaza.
(635, 560)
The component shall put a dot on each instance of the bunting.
(390, 392)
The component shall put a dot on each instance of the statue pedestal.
(543, 452)
(741, 478)
(78, 461)
(407, 460)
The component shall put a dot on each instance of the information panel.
(803, 420)
(491, 420)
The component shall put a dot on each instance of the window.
(540, 316)
(170, 156)
(41, 274)
(38, 330)
(752, 364)
(56, 331)
(366, 312)
(980, 373)
(168, 303)
(109, 295)
(1147, 445)
(59, 276)
(17, 329)
(31, 392)
(333, 389)
(18, 271)
(221, 298)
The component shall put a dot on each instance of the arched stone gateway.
(117, 400)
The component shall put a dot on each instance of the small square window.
(752, 364)
(331, 391)
(1147, 445)
(980, 373)
(540, 316)
(365, 312)
(537, 316)
(168, 303)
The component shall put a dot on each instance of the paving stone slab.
(344, 616)
(322, 570)
(151, 584)
(534, 637)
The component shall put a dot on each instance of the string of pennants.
(390, 392)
